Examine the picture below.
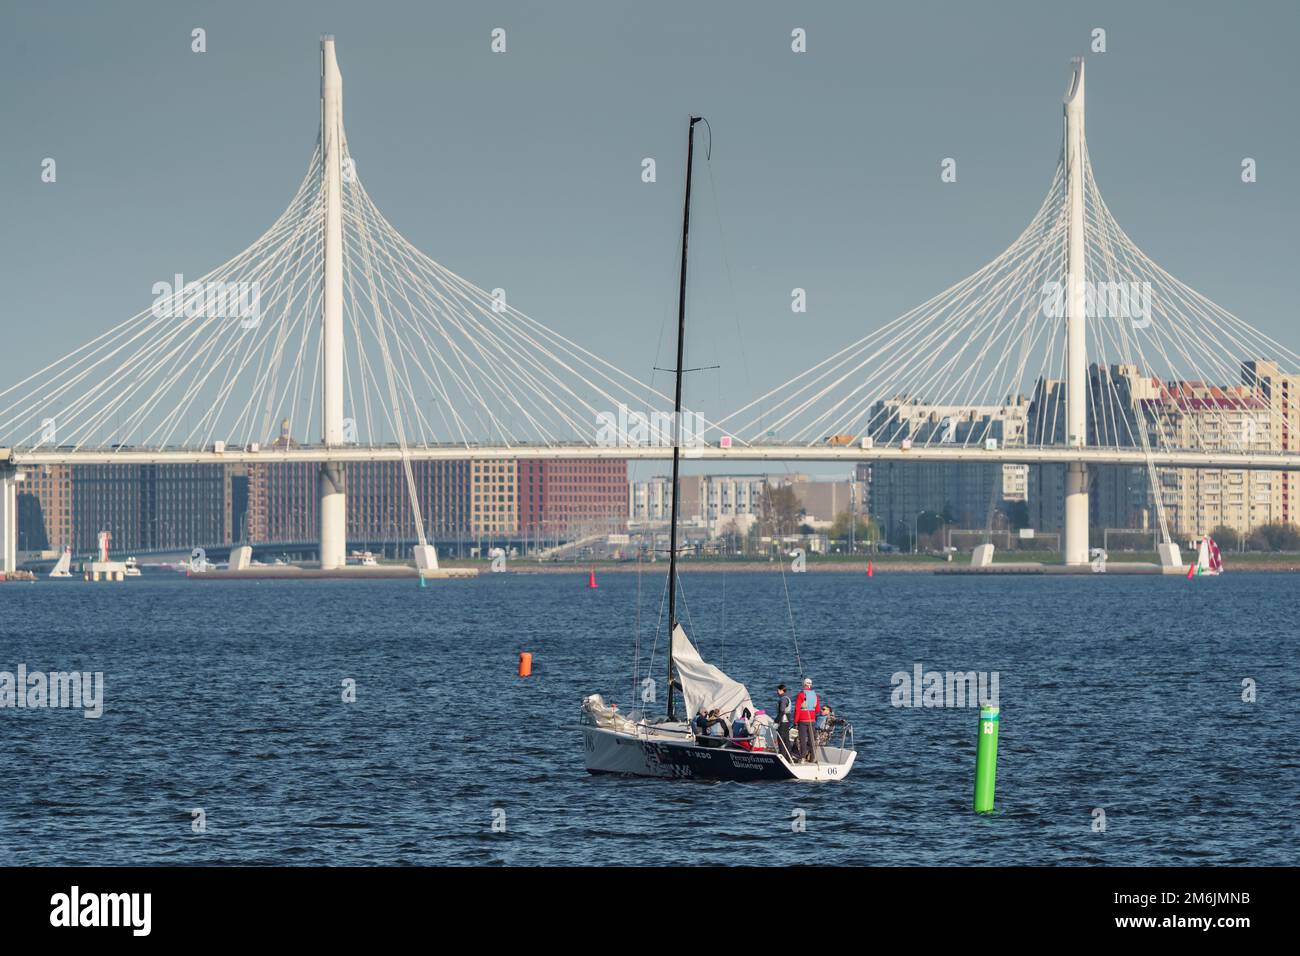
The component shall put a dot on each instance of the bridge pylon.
(1076, 375)
(332, 481)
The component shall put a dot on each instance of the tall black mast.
(677, 414)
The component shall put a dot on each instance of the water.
(1122, 693)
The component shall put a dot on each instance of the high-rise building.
(1212, 418)
(1282, 393)
(567, 497)
(44, 499)
(150, 507)
(494, 495)
(967, 492)
(1118, 495)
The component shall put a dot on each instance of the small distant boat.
(62, 568)
(1209, 560)
(197, 564)
(132, 568)
(363, 558)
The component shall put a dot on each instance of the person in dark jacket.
(716, 730)
(783, 715)
(700, 725)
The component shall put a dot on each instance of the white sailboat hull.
(647, 754)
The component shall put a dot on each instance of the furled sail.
(703, 685)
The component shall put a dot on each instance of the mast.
(677, 414)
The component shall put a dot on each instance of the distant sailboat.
(1209, 561)
(62, 569)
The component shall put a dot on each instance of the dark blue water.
(1118, 693)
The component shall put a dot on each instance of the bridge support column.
(1076, 513)
(8, 519)
(333, 516)
(333, 492)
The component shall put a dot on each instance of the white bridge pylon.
(333, 324)
(1071, 347)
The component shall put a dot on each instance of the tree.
(1017, 513)
(846, 528)
(1274, 536)
(1227, 538)
(733, 539)
(781, 510)
(928, 522)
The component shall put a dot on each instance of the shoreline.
(1279, 566)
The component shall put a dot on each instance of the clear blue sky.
(522, 170)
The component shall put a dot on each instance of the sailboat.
(1209, 561)
(62, 568)
(669, 746)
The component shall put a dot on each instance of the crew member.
(783, 708)
(805, 721)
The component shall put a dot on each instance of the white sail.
(703, 685)
(61, 570)
(1209, 559)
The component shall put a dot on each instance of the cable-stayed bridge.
(1071, 348)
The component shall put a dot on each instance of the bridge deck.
(1173, 458)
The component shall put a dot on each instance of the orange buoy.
(525, 663)
(591, 579)
(870, 571)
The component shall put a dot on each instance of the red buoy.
(591, 579)
(870, 571)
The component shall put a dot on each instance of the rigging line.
(636, 631)
(722, 630)
(663, 603)
(789, 609)
(689, 620)
(780, 558)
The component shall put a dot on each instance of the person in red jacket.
(806, 707)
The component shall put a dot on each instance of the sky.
(522, 170)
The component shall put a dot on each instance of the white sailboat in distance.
(62, 568)
(1209, 560)
(668, 746)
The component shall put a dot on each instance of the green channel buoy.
(422, 584)
(986, 760)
